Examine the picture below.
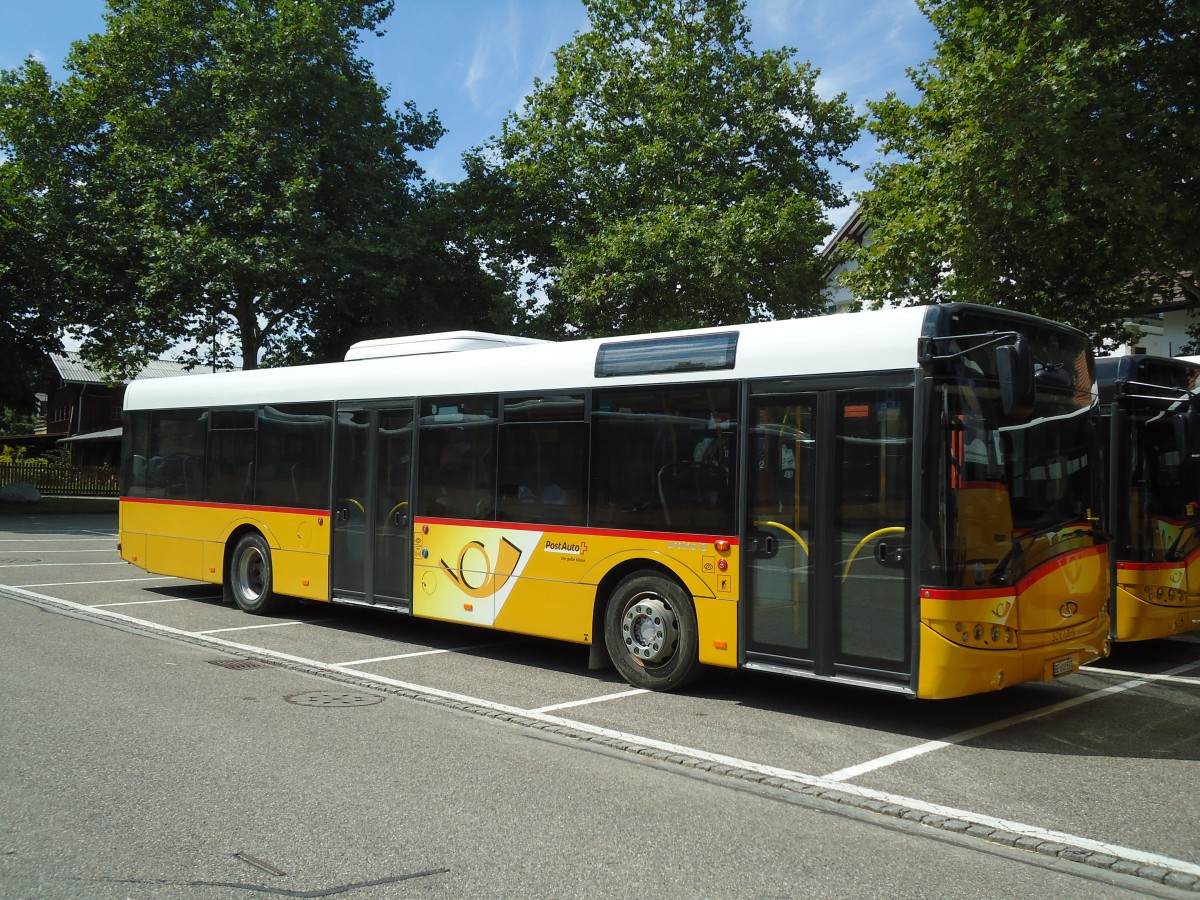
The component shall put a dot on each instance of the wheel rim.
(248, 574)
(649, 630)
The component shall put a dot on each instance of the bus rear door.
(372, 518)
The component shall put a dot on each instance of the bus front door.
(827, 550)
(372, 519)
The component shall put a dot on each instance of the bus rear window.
(688, 353)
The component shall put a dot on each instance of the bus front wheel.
(650, 631)
(250, 575)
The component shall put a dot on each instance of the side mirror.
(1014, 368)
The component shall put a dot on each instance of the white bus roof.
(873, 341)
(442, 342)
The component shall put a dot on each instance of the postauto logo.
(576, 547)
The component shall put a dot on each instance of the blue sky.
(475, 60)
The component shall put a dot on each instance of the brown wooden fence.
(63, 481)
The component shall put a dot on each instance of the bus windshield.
(1163, 488)
(1012, 492)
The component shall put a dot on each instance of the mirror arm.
(988, 338)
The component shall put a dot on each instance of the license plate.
(1063, 667)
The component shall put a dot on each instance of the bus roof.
(874, 341)
(442, 342)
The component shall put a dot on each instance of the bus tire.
(250, 574)
(651, 634)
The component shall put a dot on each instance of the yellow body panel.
(1050, 624)
(1156, 600)
(543, 581)
(189, 540)
(950, 670)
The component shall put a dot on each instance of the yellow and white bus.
(903, 499)
(1148, 405)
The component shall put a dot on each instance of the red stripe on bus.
(1023, 585)
(966, 593)
(985, 486)
(1059, 562)
(1158, 566)
(572, 529)
(203, 504)
(475, 523)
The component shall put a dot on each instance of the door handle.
(762, 546)
(890, 554)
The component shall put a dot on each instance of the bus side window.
(292, 468)
(176, 467)
(135, 469)
(543, 473)
(457, 458)
(663, 458)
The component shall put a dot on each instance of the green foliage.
(438, 272)
(667, 176)
(226, 168)
(16, 421)
(31, 316)
(18, 456)
(1050, 166)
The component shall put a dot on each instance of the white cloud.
(497, 54)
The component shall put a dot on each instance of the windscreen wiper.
(1021, 545)
(1175, 551)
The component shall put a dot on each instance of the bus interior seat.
(693, 494)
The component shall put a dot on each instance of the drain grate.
(332, 698)
(240, 663)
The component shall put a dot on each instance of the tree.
(1050, 165)
(30, 318)
(668, 175)
(442, 274)
(225, 168)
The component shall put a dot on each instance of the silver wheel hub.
(250, 573)
(649, 631)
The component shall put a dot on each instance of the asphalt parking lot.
(1097, 771)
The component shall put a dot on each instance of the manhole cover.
(332, 698)
(240, 663)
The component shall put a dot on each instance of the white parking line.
(107, 581)
(138, 603)
(103, 550)
(57, 540)
(375, 659)
(882, 762)
(1165, 676)
(253, 627)
(602, 699)
(41, 565)
(1131, 854)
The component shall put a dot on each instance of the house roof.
(73, 370)
(111, 434)
(854, 229)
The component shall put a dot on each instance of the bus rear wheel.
(250, 575)
(651, 634)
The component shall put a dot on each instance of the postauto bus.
(904, 499)
(1149, 414)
